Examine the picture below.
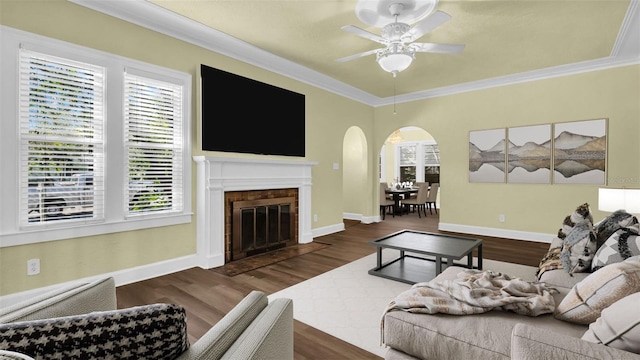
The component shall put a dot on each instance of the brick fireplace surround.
(217, 175)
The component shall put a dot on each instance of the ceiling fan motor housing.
(394, 31)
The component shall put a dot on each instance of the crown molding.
(626, 51)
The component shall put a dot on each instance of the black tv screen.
(243, 115)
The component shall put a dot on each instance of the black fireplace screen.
(262, 225)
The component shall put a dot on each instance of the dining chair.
(433, 195)
(417, 184)
(385, 203)
(420, 201)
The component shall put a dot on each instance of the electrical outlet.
(501, 217)
(315, 217)
(33, 267)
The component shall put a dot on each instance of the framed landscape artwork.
(580, 152)
(487, 156)
(529, 154)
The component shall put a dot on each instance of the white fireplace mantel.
(216, 175)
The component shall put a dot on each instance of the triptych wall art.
(561, 153)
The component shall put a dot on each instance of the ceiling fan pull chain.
(394, 94)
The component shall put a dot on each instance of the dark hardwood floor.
(208, 295)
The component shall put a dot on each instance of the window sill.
(35, 236)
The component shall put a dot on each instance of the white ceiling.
(506, 41)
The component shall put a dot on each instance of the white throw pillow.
(586, 300)
(618, 326)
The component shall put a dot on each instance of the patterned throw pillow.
(586, 300)
(570, 255)
(582, 213)
(612, 223)
(156, 331)
(578, 248)
(618, 326)
(620, 246)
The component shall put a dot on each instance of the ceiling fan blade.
(437, 48)
(364, 33)
(431, 22)
(356, 56)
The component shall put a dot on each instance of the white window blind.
(431, 155)
(407, 155)
(61, 120)
(153, 141)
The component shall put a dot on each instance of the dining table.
(399, 194)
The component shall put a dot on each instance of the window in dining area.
(418, 162)
(407, 162)
(431, 163)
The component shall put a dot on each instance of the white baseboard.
(362, 219)
(327, 230)
(503, 233)
(121, 277)
(467, 229)
(352, 216)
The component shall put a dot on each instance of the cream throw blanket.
(475, 292)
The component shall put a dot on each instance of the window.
(381, 164)
(431, 163)
(100, 143)
(153, 139)
(418, 161)
(61, 139)
(408, 162)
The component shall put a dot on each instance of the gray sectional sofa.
(81, 321)
(579, 328)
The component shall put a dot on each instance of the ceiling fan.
(398, 36)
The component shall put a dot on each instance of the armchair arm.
(253, 329)
(530, 343)
(99, 295)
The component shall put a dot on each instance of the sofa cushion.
(156, 331)
(479, 336)
(533, 343)
(618, 326)
(589, 297)
(621, 245)
(76, 299)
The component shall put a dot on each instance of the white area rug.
(348, 303)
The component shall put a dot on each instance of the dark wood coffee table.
(412, 269)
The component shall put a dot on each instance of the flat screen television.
(243, 115)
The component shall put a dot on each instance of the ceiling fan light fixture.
(395, 62)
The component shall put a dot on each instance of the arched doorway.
(356, 194)
(410, 154)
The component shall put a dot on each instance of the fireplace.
(258, 221)
(217, 177)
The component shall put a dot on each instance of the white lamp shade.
(619, 199)
(395, 62)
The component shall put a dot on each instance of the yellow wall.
(328, 118)
(539, 208)
(612, 94)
